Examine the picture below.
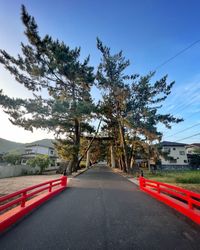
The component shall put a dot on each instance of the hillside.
(16, 147)
(6, 146)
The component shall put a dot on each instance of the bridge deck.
(102, 210)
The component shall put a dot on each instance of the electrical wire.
(189, 137)
(176, 55)
(195, 125)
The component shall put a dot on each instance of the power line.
(178, 54)
(197, 112)
(184, 106)
(187, 105)
(197, 124)
(189, 137)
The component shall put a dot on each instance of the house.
(193, 154)
(193, 148)
(36, 149)
(173, 155)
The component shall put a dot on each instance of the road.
(102, 210)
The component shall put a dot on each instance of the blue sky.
(148, 31)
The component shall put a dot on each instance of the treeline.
(61, 85)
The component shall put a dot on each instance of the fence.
(184, 201)
(16, 205)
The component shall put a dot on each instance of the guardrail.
(16, 205)
(183, 200)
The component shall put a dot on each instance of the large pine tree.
(130, 104)
(60, 83)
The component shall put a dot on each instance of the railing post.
(189, 201)
(50, 187)
(64, 181)
(158, 187)
(23, 202)
(142, 182)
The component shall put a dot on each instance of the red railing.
(14, 206)
(183, 200)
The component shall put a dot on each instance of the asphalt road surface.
(102, 210)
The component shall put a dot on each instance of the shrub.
(41, 161)
(188, 179)
(13, 159)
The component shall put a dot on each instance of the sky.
(148, 31)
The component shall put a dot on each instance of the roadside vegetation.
(13, 159)
(186, 179)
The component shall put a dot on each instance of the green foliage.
(194, 160)
(197, 150)
(131, 104)
(66, 149)
(51, 67)
(195, 179)
(186, 177)
(41, 161)
(129, 109)
(13, 159)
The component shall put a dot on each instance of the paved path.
(102, 210)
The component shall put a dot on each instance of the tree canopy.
(61, 86)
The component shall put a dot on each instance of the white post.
(112, 157)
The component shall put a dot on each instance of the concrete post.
(112, 156)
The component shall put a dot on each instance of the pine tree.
(131, 104)
(50, 68)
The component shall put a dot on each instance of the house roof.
(33, 145)
(169, 143)
(196, 144)
(193, 145)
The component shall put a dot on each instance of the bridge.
(102, 210)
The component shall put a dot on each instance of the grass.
(186, 179)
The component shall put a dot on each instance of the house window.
(174, 148)
(173, 161)
(185, 161)
(181, 152)
(166, 150)
(51, 152)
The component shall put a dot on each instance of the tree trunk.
(76, 145)
(90, 144)
(112, 157)
(88, 158)
(120, 164)
(123, 146)
(132, 162)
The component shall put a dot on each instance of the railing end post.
(64, 181)
(142, 182)
(23, 202)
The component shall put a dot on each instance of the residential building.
(193, 155)
(35, 149)
(175, 155)
(193, 148)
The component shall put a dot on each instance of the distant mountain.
(44, 142)
(7, 146)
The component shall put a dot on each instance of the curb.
(73, 175)
(131, 179)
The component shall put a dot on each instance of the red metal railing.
(16, 205)
(183, 200)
